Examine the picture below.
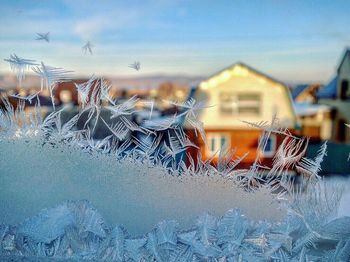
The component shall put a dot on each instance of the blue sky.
(290, 40)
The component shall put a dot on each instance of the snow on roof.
(307, 109)
(329, 90)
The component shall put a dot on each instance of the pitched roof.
(250, 69)
(296, 91)
(329, 90)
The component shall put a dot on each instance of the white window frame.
(217, 136)
(235, 104)
(231, 104)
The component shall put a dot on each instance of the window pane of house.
(226, 103)
(249, 103)
(223, 141)
(212, 144)
(254, 110)
(249, 97)
(268, 147)
(344, 89)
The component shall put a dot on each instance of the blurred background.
(250, 60)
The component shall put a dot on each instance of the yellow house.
(240, 93)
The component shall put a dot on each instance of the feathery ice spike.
(19, 65)
(136, 65)
(43, 37)
(87, 48)
(50, 76)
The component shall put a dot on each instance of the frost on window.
(136, 195)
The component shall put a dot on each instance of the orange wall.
(243, 140)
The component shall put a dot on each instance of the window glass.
(217, 141)
(344, 89)
(223, 141)
(213, 146)
(249, 103)
(270, 146)
(240, 104)
(227, 103)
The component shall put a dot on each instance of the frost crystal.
(50, 76)
(136, 65)
(75, 230)
(28, 98)
(43, 36)
(19, 65)
(87, 47)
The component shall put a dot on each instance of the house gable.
(328, 91)
(344, 61)
(333, 90)
(343, 87)
(298, 90)
(241, 93)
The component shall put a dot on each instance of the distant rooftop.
(329, 90)
(298, 90)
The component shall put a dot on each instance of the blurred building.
(67, 93)
(171, 91)
(316, 120)
(239, 93)
(305, 93)
(336, 94)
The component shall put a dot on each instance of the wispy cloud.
(87, 28)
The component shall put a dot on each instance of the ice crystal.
(136, 65)
(310, 167)
(125, 108)
(190, 107)
(20, 65)
(50, 77)
(28, 98)
(43, 37)
(75, 230)
(91, 94)
(87, 48)
(162, 124)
